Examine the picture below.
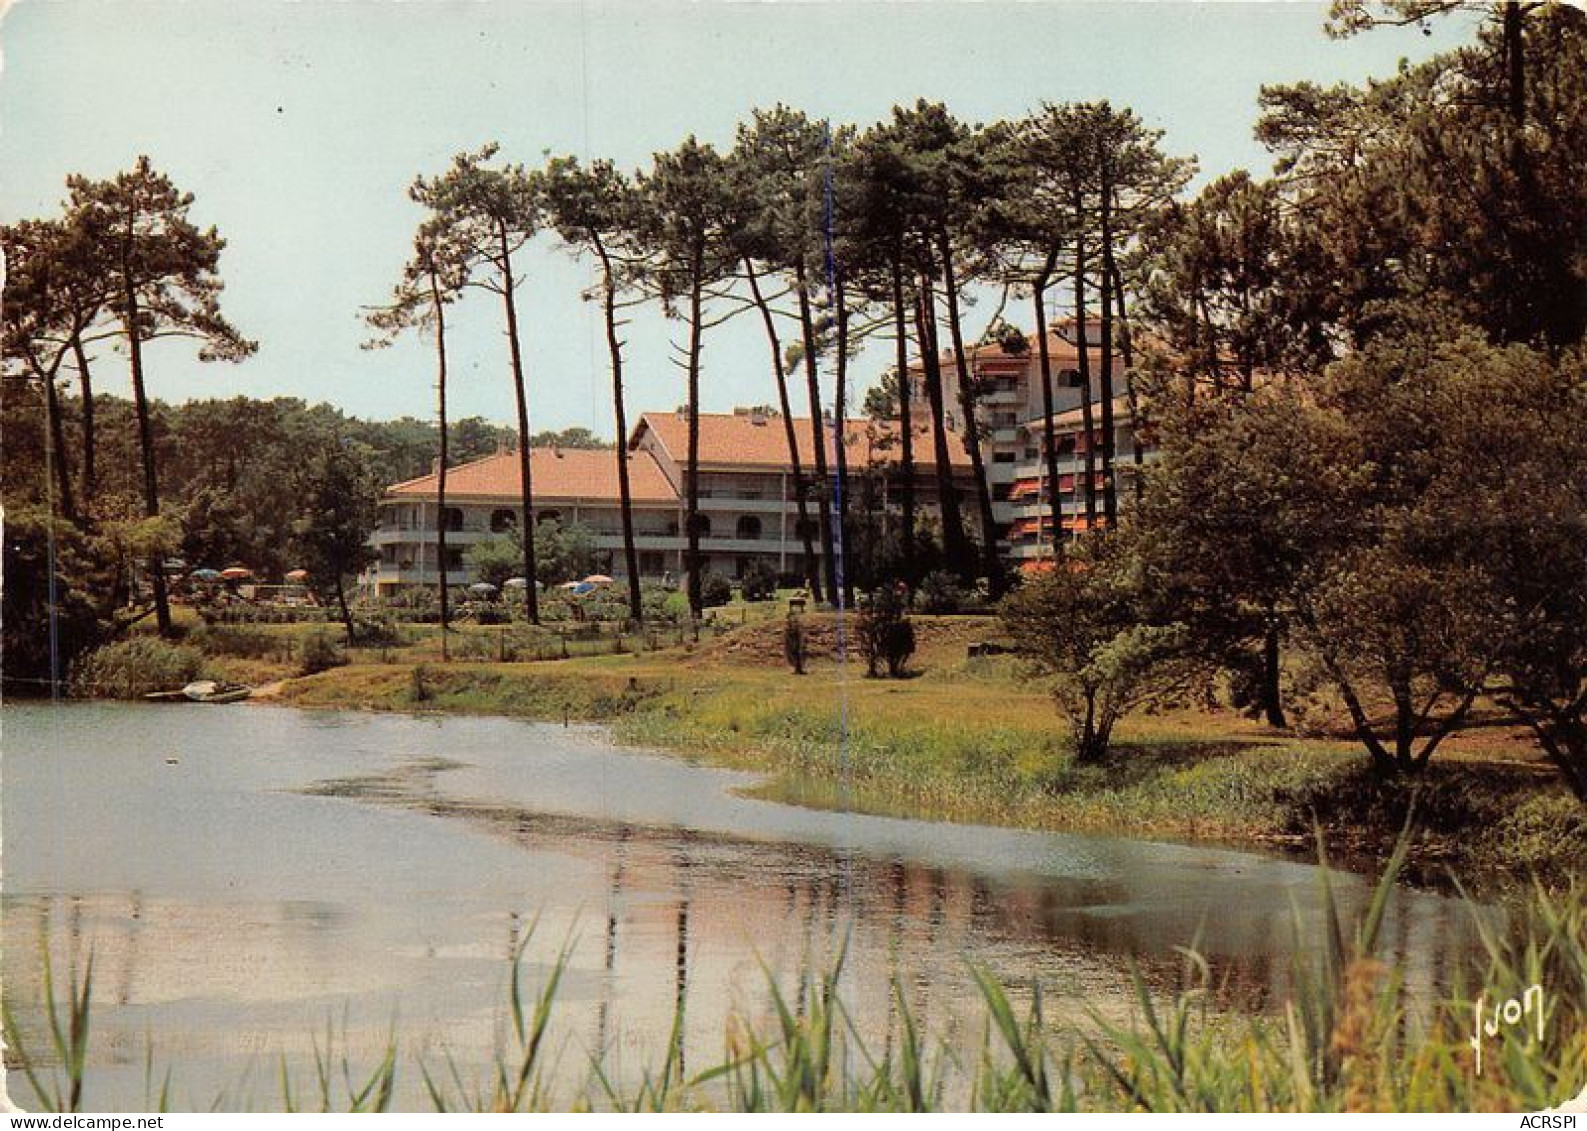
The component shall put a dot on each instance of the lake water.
(247, 876)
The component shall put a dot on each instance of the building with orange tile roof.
(747, 500)
(484, 500)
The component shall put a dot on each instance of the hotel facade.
(748, 503)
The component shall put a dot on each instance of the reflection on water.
(380, 872)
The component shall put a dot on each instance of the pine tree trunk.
(991, 565)
(1110, 498)
(906, 425)
(1087, 417)
(85, 379)
(625, 497)
(840, 448)
(347, 615)
(57, 444)
(525, 456)
(817, 432)
(1132, 395)
(440, 477)
(953, 539)
(1515, 61)
(692, 474)
(1272, 670)
(812, 564)
(1049, 440)
(151, 484)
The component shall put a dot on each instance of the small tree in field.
(793, 644)
(1087, 628)
(332, 536)
(885, 633)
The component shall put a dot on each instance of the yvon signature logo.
(1514, 1013)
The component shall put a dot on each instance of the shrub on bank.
(320, 652)
(132, 668)
(231, 640)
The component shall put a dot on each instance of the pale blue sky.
(298, 127)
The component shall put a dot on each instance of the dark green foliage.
(940, 593)
(320, 652)
(132, 668)
(381, 632)
(562, 553)
(419, 684)
(228, 640)
(760, 583)
(1450, 182)
(1091, 627)
(331, 535)
(575, 437)
(885, 633)
(80, 618)
(715, 589)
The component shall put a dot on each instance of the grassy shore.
(975, 739)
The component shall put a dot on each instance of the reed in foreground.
(1347, 1037)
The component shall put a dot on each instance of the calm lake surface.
(247, 876)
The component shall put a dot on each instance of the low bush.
(760, 583)
(940, 593)
(381, 633)
(320, 652)
(715, 589)
(886, 635)
(129, 669)
(232, 640)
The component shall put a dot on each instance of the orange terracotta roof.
(736, 440)
(568, 473)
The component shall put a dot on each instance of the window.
(748, 527)
(454, 559)
(651, 562)
(702, 523)
(502, 520)
(454, 518)
(1003, 457)
(548, 516)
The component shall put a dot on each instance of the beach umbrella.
(597, 579)
(236, 573)
(582, 587)
(570, 586)
(205, 575)
(297, 575)
(515, 583)
(483, 588)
